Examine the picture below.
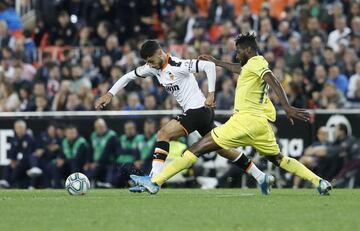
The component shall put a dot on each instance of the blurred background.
(58, 56)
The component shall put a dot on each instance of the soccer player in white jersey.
(176, 75)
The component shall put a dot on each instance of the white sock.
(256, 173)
(157, 167)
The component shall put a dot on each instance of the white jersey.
(177, 78)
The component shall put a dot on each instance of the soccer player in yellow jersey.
(249, 125)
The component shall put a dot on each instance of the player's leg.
(172, 130)
(308, 162)
(265, 143)
(190, 156)
(236, 157)
(244, 163)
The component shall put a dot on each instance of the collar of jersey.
(166, 62)
(254, 57)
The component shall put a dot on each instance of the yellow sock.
(294, 166)
(183, 162)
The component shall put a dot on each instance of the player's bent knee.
(163, 135)
(275, 159)
(205, 145)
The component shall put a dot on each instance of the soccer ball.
(77, 184)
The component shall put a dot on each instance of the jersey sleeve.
(190, 65)
(195, 65)
(139, 72)
(260, 67)
(143, 71)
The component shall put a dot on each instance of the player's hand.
(103, 100)
(297, 113)
(208, 58)
(210, 100)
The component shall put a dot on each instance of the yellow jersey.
(251, 96)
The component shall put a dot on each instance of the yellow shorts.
(246, 130)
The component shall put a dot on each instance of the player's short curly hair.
(148, 48)
(248, 39)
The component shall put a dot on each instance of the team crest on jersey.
(171, 75)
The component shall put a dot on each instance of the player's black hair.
(149, 48)
(248, 40)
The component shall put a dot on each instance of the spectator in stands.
(351, 167)
(330, 97)
(293, 55)
(353, 82)
(357, 92)
(336, 153)
(220, 11)
(60, 98)
(74, 103)
(355, 26)
(307, 65)
(63, 33)
(23, 160)
(78, 79)
(112, 48)
(133, 102)
(128, 155)
(316, 47)
(9, 99)
(341, 32)
(225, 98)
(102, 32)
(318, 83)
(28, 70)
(104, 143)
(73, 157)
(338, 79)
(84, 37)
(25, 100)
(150, 102)
(53, 83)
(105, 66)
(314, 153)
(6, 40)
(99, 10)
(313, 29)
(48, 148)
(86, 97)
(41, 104)
(147, 87)
(8, 14)
(42, 73)
(177, 31)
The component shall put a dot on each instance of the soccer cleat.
(145, 181)
(137, 189)
(324, 187)
(266, 185)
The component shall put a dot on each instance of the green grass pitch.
(180, 209)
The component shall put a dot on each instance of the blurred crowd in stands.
(78, 49)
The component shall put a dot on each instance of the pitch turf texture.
(180, 209)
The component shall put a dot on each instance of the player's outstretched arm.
(233, 67)
(291, 112)
(210, 70)
(121, 83)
